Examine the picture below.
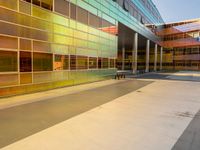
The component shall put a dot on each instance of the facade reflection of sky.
(188, 27)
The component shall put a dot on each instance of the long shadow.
(164, 76)
(190, 139)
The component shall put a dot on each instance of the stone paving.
(153, 112)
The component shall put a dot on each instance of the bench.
(120, 75)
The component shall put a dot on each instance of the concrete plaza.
(153, 112)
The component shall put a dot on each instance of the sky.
(178, 10)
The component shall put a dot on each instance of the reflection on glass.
(82, 62)
(8, 79)
(25, 62)
(8, 42)
(112, 63)
(41, 46)
(92, 63)
(25, 78)
(105, 62)
(8, 61)
(61, 62)
(99, 63)
(72, 62)
(42, 62)
(25, 44)
(62, 7)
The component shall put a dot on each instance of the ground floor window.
(42, 62)
(25, 62)
(72, 62)
(61, 62)
(8, 61)
(82, 62)
(105, 62)
(92, 63)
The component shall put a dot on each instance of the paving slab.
(151, 118)
(21, 121)
(190, 139)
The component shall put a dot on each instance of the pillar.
(147, 55)
(134, 53)
(123, 53)
(123, 57)
(155, 57)
(161, 57)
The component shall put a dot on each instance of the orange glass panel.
(8, 79)
(8, 42)
(41, 46)
(61, 62)
(25, 78)
(25, 44)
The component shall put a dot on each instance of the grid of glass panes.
(36, 44)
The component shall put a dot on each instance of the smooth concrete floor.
(190, 139)
(19, 122)
(181, 76)
(144, 114)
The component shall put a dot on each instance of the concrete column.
(161, 57)
(155, 57)
(134, 53)
(53, 6)
(147, 55)
(123, 57)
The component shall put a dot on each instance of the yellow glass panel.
(59, 39)
(41, 24)
(60, 20)
(80, 43)
(25, 78)
(38, 12)
(62, 30)
(72, 50)
(80, 35)
(12, 4)
(60, 49)
(25, 7)
(82, 27)
(42, 77)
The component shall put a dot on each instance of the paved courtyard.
(153, 112)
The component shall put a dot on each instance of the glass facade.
(143, 10)
(182, 43)
(46, 44)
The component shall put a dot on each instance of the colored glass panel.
(8, 61)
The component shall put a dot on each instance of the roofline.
(188, 20)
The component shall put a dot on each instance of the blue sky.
(178, 10)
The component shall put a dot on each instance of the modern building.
(46, 44)
(182, 45)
